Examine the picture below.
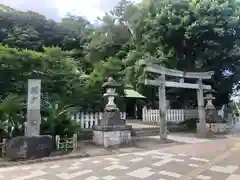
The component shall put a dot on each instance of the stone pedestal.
(112, 136)
(33, 108)
(217, 128)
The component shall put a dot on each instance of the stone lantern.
(209, 98)
(210, 110)
(112, 130)
(110, 86)
(111, 114)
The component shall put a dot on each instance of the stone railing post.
(74, 141)
(57, 139)
(4, 146)
(25, 128)
(144, 113)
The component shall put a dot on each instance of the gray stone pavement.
(212, 160)
(147, 165)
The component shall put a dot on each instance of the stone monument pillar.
(32, 145)
(33, 108)
(112, 130)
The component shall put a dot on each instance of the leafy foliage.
(11, 114)
(57, 120)
(73, 57)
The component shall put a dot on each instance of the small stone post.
(74, 141)
(144, 113)
(25, 128)
(4, 146)
(57, 139)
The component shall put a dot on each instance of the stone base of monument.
(208, 134)
(220, 128)
(112, 136)
(216, 128)
(23, 148)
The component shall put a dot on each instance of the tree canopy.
(73, 57)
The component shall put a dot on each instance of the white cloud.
(55, 9)
(90, 8)
(46, 7)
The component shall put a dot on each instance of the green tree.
(192, 36)
(187, 35)
(111, 67)
(56, 69)
(12, 115)
(57, 120)
(114, 35)
(32, 30)
(25, 38)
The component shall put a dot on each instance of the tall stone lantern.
(211, 112)
(111, 115)
(110, 86)
(112, 130)
(209, 98)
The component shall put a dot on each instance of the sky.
(55, 9)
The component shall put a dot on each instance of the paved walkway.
(184, 138)
(218, 160)
(148, 165)
(201, 159)
(236, 129)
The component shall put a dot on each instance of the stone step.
(143, 122)
(141, 132)
(136, 132)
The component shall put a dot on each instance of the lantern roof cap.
(209, 91)
(110, 83)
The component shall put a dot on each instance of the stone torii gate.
(162, 84)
